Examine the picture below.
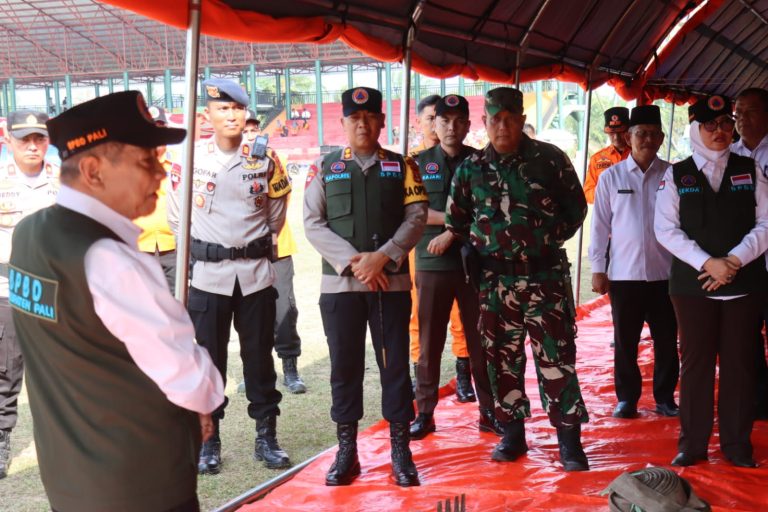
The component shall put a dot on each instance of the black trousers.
(345, 318)
(436, 292)
(11, 368)
(254, 320)
(287, 340)
(761, 368)
(191, 505)
(632, 304)
(711, 330)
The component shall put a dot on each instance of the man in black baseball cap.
(616, 124)
(101, 334)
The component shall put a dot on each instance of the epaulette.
(347, 153)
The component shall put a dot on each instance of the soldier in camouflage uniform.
(518, 200)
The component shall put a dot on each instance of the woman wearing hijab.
(712, 215)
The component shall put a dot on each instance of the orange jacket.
(599, 162)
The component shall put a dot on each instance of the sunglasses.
(725, 124)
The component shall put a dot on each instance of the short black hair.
(759, 93)
(427, 101)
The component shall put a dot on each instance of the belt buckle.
(236, 253)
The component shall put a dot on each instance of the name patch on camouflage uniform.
(32, 295)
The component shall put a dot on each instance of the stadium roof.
(42, 40)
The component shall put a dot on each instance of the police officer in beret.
(712, 215)
(616, 124)
(364, 209)
(120, 393)
(517, 201)
(238, 203)
(439, 275)
(27, 183)
(637, 278)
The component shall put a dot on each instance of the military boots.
(571, 452)
(291, 378)
(267, 448)
(346, 467)
(5, 452)
(210, 454)
(489, 423)
(464, 391)
(403, 468)
(513, 443)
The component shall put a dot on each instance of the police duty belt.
(207, 251)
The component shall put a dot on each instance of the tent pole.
(405, 94)
(669, 135)
(583, 179)
(190, 110)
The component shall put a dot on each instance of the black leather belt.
(207, 251)
(518, 268)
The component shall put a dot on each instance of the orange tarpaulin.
(456, 459)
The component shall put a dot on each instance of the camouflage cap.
(503, 98)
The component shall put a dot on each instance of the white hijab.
(718, 158)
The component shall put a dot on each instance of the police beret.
(360, 98)
(503, 98)
(158, 114)
(118, 117)
(645, 114)
(24, 122)
(616, 119)
(452, 102)
(221, 89)
(709, 108)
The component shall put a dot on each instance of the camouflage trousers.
(510, 308)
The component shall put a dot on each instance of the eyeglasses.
(726, 124)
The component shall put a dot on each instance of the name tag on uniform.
(626, 191)
(32, 295)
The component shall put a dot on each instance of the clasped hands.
(368, 268)
(719, 272)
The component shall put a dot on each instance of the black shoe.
(267, 448)
(5, 452)
(625, 410)
(684, 459)
(346, 467)
(209, 462)
(513, 443)
(422, 425)
(571, 452)
(291, 378)
(742, 461)
(489, 423)
(671, 409)
(464, 391)
(403, 468)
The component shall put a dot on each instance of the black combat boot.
(210, 454)
(464, 391)
(403, 468)
(5, 452)
(489, 423)
(346, 467)
(571, 452)
(513, 443)
(291, 378)
(422, 425)
(267, 448)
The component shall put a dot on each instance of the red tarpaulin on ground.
(456, 459)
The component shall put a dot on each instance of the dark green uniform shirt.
(520, 207)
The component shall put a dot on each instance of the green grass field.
(304, 427)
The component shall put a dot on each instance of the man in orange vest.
(157, 237)
(616, 125)
(425, 111)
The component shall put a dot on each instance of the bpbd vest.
(717, 222)
(359, 206)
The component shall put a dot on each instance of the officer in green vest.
(120, 394)
(439, 275)
(712, 215)
(517, 201)
(364, 209)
